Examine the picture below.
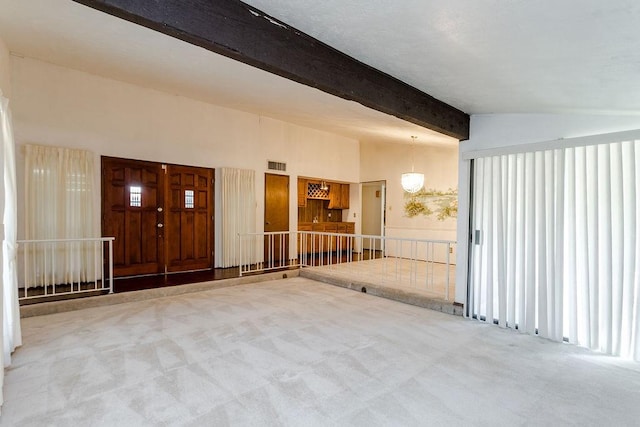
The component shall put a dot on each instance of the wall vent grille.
(277, 166)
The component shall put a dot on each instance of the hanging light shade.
(412, 181)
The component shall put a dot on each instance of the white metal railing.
(267, 251)
(419, 264)
(64, 266)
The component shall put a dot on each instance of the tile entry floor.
(299, 352)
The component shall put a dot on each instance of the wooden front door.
(189, 219)
(276, 216)
(132, 203)
(160, 216)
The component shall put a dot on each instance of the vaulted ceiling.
(490, 56)
(480, 56)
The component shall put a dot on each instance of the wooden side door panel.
(276, 216)
(132, 192)
(189, 213)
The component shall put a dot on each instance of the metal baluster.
(110, 266)
(433, 265)
(26, 269)
(102, 243)
(45, 269)
(446, 292)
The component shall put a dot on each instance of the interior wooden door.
(132, 202)
(276, 216)
(189, 218)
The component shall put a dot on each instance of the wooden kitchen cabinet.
(334, 195)
(351, 227)
(344, 196)
(329, 242)
(325, 243)
(338, 196)
(302, 192)
(342, 241)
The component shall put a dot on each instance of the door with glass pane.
(160, 215)
(132, 212)
(189, 218)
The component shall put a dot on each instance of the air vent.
(277, 166)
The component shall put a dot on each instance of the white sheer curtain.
(556, 244)
(238, 204)
(11, 333)
(59, 204)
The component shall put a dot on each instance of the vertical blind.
(556, 244)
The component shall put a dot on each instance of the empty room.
(320, 213)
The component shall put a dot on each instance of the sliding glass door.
(556, 244)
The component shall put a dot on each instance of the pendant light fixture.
(412, 181)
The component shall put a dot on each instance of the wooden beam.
(239, 31)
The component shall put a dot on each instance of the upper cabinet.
(302, 192)
(334, 196)
(344, 196)
(338, 196)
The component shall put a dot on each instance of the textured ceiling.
(489, 56)
(481, 56)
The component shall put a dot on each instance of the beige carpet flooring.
(298, 352)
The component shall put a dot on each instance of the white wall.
(5, 70)
(379, 162)
(371, 216)
(5, 90)
(58, 106)
(503, 130)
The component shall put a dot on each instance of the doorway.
(276, 217)
(160, 216)
(373, 212)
